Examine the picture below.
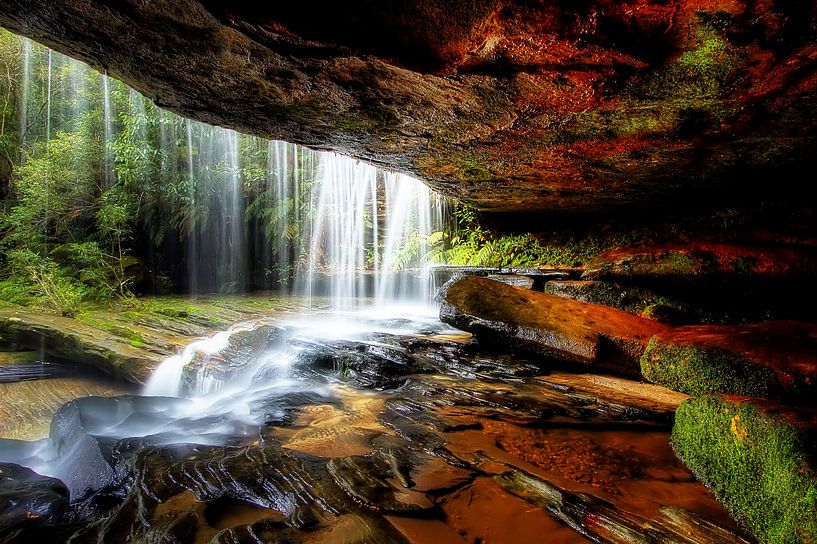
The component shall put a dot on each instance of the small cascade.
(108, 129)
(25, 91)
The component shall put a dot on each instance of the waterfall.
(232, 218)
(108, 129)
(50, 81)
(25, 90)
(245, 213)
(190, 226)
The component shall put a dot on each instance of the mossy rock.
(775, 359)
(697, 370)
(759, 460)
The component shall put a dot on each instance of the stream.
(375, 424)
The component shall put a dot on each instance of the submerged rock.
(549, 325)
(605, 523)
(368, 480)
(776, 359)
(28, 499)
(759, 458)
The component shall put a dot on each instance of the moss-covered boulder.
(758, 458)
(501, 314)
(775, 359)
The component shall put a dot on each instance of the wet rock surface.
(396, 466)
(28, 499)
(603, 522)
(547, 324)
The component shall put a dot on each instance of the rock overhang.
(507, 105)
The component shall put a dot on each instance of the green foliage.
(35, 280)
(758, 464)
(472, 245)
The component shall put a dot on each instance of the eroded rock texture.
(510, 105)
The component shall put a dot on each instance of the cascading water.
(108, 129)
(25, 90)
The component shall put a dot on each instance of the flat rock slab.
(71, 340)
(547, 324)
(26, 408)
(775, 359)
(758, 457)
(634, 395)
(702, 259)
(129, 341)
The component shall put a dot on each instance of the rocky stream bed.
(542, 425)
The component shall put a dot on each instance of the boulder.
(758, 457)
(546, 324)
(29, 499)
(775, 359)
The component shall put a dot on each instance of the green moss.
(370, 120)
(677, 264)
(704, 71)
(170, 311)
(759, 466)
(744, 265)
(700, 370)
(135, 337)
